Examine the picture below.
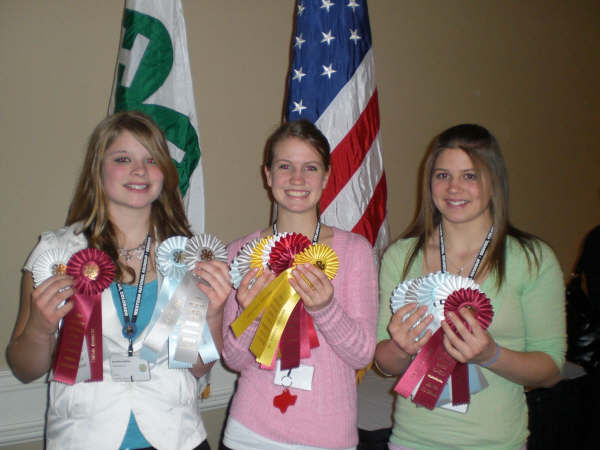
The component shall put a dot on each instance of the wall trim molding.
(24, 406)
(23, 409)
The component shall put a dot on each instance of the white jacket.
(95, 415)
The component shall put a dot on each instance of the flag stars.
(298, 107)
(354, 36)
(326, 4)
(301, 8)
(327, 37)
(328, 71)
(299, 41)
(298, 74)
(353, 4)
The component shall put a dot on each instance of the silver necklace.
(130, 253)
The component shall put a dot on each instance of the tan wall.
(527, 70)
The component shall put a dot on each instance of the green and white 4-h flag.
(153, 76)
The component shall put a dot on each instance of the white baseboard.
(23, 409)
(24, 405)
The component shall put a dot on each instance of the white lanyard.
(479, 258)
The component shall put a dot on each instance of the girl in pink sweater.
(322, 410)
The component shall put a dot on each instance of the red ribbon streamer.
(434, 365)
(93, 271)
(460, 384)
(290, 341)
(299, 336)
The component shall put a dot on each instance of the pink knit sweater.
(326, 415)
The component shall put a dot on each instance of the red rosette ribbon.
(282, 254)
(434, 365)
(473, 299)
(93, 271)
(299, 334)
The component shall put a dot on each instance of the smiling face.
(460, 191)
(130, 177)
(297, 176)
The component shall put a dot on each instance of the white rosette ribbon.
(266, 254)
(451, 284)
(435, 289)
(204, 247)
(240, 265)
(192, 334)
(51, 262)
(406, 292)
(171, 265)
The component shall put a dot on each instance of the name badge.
(299, 377)
(129, 368)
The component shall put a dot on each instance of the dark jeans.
(374, 439)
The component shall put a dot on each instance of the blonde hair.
(89, 205)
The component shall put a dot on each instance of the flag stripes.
(370, 223)
(349, 154)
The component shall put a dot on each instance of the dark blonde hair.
(303, 130)
(483, 149)
(167, 217)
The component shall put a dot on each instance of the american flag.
(332, 84)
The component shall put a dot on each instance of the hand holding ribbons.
(408, 328)
(303, 270)
(316, 267)
(52, 289)
(92, 271)
(453, 341)
(192, 279)
(465, 339)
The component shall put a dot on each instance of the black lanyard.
(129, 329)
(315, 238)
(479, 258)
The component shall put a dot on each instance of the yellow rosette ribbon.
(322, 256)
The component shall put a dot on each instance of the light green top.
(529, 315)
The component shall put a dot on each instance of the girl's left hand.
(216, 274)
(315, 289)
(474, 345)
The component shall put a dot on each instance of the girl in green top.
(464, 201)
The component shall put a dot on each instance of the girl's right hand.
(46, 310)
(405, 334)
(248, 290)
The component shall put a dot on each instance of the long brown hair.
(483, 149)
(167, 217)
